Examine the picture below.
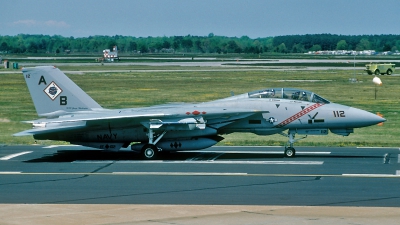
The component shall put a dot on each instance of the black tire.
(149, 152)
(389, 72)
(377, 72)
(290, 152)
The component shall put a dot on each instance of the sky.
(232, 18)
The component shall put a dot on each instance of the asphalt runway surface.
(232, 185)
(317, 176)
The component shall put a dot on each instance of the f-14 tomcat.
(73, 116)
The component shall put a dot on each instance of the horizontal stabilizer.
(46, 130)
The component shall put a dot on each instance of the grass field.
(138, 89)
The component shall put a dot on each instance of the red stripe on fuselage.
(298, 115)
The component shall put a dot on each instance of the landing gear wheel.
(290, 152)
(149, 152)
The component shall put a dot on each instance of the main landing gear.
(150, 150)
(289, 150)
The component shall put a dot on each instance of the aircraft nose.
(363, 118)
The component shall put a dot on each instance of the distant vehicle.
(380, 68)
(110, 56)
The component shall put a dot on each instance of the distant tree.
(341, 45)
(257, 45)
(166, 44)
(176, 44)
(233, 47)
(143, 49)
(187, 44)
(198, 44)
(281, 48)
(387, 47)
(398, 45)
(95, 45)
(316, 48)
(111, 44)
(4, 46)
(132, 46)
(298, 48)
(218, 50)
(364, 44)
(32, 48)
(268, 45)
(154, 46)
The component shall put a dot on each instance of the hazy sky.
(254, 18)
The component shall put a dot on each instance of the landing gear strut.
(150, 150)
(289, 150)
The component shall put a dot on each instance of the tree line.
(26, 43)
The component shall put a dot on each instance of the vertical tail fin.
(54, 94)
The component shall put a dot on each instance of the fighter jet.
(69, 114)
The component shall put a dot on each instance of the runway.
(216, 176)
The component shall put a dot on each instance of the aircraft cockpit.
(288, 93)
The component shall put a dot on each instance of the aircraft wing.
(190, 119)
(76, 122)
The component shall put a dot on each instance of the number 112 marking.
(338, 114)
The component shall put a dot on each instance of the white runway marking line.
(93, 161)
(180, 173)
(122, 173)
(372, 175)
(56, 146)
(378, 147)
(257, 152)
(14, 155)
(210, 162)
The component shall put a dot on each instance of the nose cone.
(362, 118)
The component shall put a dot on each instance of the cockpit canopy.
(288, 93)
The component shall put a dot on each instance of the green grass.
(138, 89)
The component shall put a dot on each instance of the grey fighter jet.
(73, 116)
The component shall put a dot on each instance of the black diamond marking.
(52, 90)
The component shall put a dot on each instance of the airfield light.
(377, 81)
(354, 70)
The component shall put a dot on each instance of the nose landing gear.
(289, 150)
